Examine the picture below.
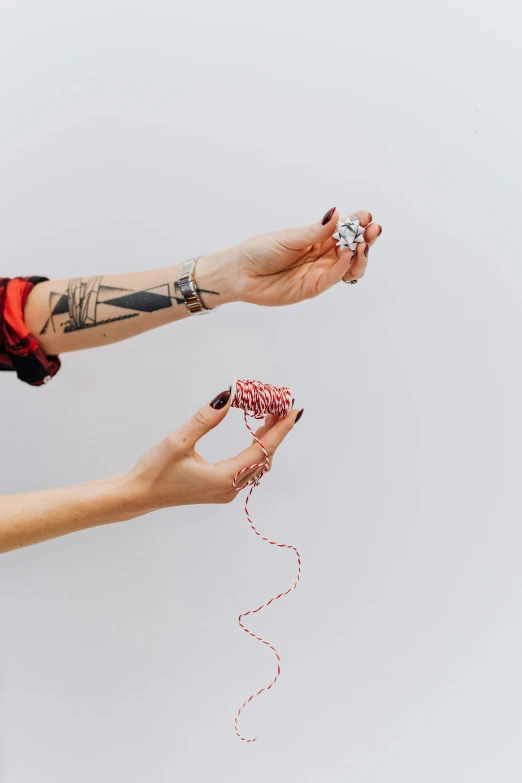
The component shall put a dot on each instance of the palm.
(273, 272)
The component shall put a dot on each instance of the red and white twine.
(256, 399)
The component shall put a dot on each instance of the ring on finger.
(257, 478)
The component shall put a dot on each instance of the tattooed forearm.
(62, 314)
(87, 302)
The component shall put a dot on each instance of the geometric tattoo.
(87, 303)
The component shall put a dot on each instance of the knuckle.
(201, 418)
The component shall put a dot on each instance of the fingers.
(365, 217)
(253, 456)
(350, 264)
(269, 422)
(337, 272)
(318, 232)
(249, 476)
(313, 233)
(359, 262)
(273, 438)
(203, 420)
(372, 232)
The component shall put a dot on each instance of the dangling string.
(256, 399)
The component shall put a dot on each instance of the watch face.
(187, 287)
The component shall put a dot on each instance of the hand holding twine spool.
(258, 399)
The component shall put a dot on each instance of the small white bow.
(349, 233)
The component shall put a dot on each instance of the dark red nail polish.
(367, 250)
(299, 415)
(326, 219)
(221, 400)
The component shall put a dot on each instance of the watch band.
(189, 290)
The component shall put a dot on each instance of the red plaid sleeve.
(19, 349)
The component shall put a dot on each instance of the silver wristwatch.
(189, 290)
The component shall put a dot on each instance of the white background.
(135, 134)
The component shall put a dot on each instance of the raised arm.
(170, 474)
(71, 314)
(279, 268)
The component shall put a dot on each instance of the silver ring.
(350, 282)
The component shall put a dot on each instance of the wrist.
(120, 497)
(131, 494)
(216, 277)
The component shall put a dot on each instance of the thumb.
(204, 420)
(313, 233)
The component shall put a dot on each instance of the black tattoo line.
(67, 326)
(88, 303)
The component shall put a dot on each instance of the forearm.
(38, 516)
(71, 314)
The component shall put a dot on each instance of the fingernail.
(367, 250)
(221, 400)
(299, 415)
(371, 216)
(380, 231)
(328, 216)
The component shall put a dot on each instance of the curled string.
(256, 399)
